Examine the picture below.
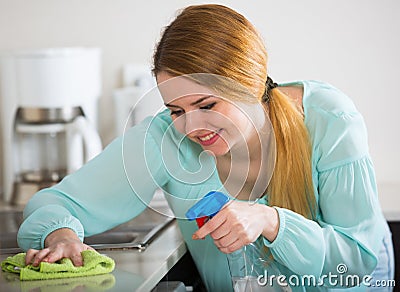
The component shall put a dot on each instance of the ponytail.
(291, 184)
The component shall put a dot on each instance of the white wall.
(352, 44)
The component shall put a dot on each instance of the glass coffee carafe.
(50, 143)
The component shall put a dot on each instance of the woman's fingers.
(219, 233)
(88, 247)
(236, 225)
(76, 260)
(209, 227)
(52, 254)
(73, 251)
(225, 241)
(232, 247)
(30, 254)
(39, 256)
(61, 243)
(76, 256)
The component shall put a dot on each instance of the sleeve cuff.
(281, 230)
(78, 231)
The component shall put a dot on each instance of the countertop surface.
(134, 270)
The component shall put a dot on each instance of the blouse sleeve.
(110, 189)
(350, 225)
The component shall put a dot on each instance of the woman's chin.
(216, 151)
(219, 148)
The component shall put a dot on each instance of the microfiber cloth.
(93, 264)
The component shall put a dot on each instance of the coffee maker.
(48, 107)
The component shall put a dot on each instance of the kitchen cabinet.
(185, 271)
(389, 197)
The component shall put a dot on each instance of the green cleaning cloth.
(93, 264)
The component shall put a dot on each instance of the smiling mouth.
(209, 138)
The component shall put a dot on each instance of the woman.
(317, 210)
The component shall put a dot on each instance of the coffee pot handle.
(81, 129)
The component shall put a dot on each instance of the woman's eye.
(176, 112)
(208, 106)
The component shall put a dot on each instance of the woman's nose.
(194, 120)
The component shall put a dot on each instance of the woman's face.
(215, 123)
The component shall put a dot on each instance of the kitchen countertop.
(134, 270)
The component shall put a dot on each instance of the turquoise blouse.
(117, 185)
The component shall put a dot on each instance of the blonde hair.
(291, 184)
(217, 40)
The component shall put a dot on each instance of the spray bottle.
(243, 262)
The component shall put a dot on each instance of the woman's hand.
(61, 243)
(239, 224)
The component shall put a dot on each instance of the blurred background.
(353, 45)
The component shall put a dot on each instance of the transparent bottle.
(247, 265)
(251, 270)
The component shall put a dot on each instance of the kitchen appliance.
(137, 99)
(48, 101)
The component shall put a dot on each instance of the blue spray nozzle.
(208, 206)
